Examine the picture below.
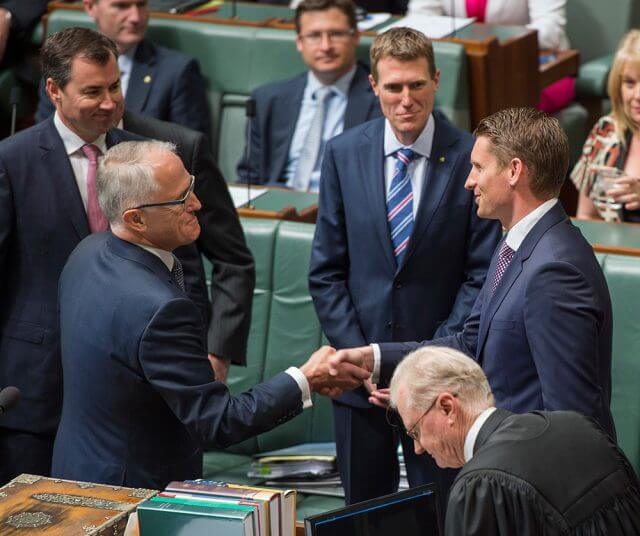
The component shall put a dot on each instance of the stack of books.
(206, 507)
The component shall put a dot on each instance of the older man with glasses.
(296, 117)
(140, 400)
(536, 473)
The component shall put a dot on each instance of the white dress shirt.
(333, 123)
(125, 63)
(168, 259)
(472, 434)
(79, 162)
(417, 168)
(514, 239)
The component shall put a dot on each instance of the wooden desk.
(616, 238)
(282, 204)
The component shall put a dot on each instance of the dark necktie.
(177, 273)
(504, 258)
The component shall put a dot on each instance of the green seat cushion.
(574, 120)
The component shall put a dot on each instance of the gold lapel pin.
(441, 159)
(147, 79)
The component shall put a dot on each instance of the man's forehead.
(325, 17)
(83, 67)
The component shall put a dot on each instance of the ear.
(89, 8)
(374, 85)
(436, 79)
(447, 404)
(299, 43)
(516, 171)
(134, 220)
(53, 90)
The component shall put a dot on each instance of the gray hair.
(429, 371)
(126, 176)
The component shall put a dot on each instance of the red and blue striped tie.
(400, 204)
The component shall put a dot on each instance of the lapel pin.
(147, 79)
(441, 159)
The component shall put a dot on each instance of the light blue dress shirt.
(125, 63)
(333, 124)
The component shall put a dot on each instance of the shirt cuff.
(303, 383)
(375, 374)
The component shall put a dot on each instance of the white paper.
(239, 194)
(372, 20)
(433, 26)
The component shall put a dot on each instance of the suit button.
(389, 325)
(398, 284)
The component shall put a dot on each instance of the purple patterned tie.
(97, 220)
(504, 258)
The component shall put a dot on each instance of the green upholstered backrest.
(595, 27)
(623, 278)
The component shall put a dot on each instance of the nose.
(135, 14)
(108, 102)
(470, 183)
(193, 203)
(405, 97)
(325, 41)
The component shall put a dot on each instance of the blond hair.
(403, 44)
(628, 52)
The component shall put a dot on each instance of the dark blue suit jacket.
(42, 219)
(277, 110)
(140, 400)
(544, 337)
(359, 293)
(165, 84)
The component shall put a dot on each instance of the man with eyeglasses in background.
(48, 204)
(296, 117)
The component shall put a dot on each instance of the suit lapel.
(357, 111)
(54, 158)
(142, 76)
(284, 123)
(371, 160)
(439, 172)
(551, 218)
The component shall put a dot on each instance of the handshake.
(331, 373)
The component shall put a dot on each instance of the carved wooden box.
(37, 505)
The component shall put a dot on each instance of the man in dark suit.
(47, 205)
(139, 400)
(156, 81)
(553, 473)
(221, 240)
(296, 117)
(374, 277)
(541, 326)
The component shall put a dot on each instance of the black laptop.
(415, 512)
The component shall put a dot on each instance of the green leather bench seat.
(236, 59)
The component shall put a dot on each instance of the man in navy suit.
(140, 401)
(541, 326)
(296, 117)
(379, 277)
(156, 81)
(47, 206)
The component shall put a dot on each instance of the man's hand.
(362, 357)
(220, 367)
(330, 377)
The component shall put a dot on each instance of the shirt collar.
(165, 256)
(472, 434)
(72, 142)
(340, 86)
(520, 230)
(422, 145)
(125, 61)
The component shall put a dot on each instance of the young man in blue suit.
(140, 401)
(398, 251)
(296, 117)
(541, 326)
(156, 81)
(48, 204)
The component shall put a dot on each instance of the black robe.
(544, 474)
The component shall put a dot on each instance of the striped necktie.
(400, 204)
(177, 273)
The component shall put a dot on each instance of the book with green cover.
(165, 516)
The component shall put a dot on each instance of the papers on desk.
(240, 197)
(432, 26)
(372, 20)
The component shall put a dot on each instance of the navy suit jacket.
(42, 219)
(544, 337)
(140, 400)
(360, 294)
(277, 110)
(165, 84)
